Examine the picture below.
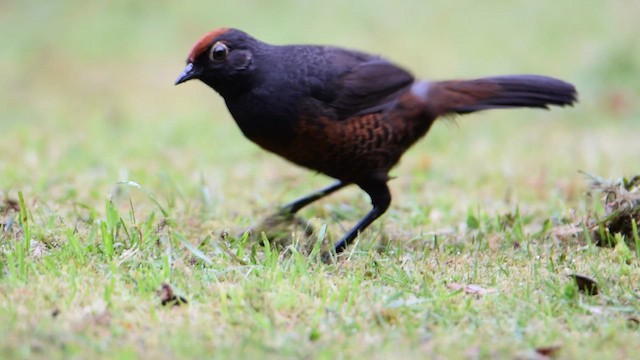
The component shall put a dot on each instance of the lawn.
(122, 197)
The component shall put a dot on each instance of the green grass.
(114, 182)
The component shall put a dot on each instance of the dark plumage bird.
(344, 113)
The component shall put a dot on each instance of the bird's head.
(222, 59)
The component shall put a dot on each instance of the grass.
(114, 182)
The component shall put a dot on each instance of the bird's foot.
(279, 227)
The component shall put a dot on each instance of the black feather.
(523, 91)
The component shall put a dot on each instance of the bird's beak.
(189, 72)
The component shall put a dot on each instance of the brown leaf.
(167, 296)
(10, 204)
(585, 284)
(548, 351)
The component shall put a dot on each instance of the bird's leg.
(380, 199)
(294, 206)
(287, 212)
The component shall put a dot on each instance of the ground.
(122, 197)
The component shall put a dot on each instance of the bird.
(345, 113)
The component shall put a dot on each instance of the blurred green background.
(87, 93)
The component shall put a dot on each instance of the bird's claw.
(278, 227)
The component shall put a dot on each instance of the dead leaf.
(621, 203)
(585, 284)
(168, 297)
(9, 204)
(471, 289)
(548, 351)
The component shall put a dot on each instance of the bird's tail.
(466, 96)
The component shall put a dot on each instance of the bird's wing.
(363, 83)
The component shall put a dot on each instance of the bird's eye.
(218, 52)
